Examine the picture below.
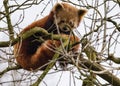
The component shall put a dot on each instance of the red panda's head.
(67, 17)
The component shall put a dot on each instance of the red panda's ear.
(58, 7)
(82, 12)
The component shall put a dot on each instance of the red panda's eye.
(71, 24)
(62, 21)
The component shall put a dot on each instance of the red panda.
(63, 18)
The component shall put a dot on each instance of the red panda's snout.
(65, 28)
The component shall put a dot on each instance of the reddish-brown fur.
(31, 54)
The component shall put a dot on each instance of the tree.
(100, 40)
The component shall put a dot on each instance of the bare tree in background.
(98, 58)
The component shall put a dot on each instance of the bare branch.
(112, 79)
(10, 27)
(9, 69)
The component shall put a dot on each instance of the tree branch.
(24, 36)
(92, 56)
(114, 59)
(112, 79)
(31, 32)
(114, 23)
(8, 69)
(10, 27)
